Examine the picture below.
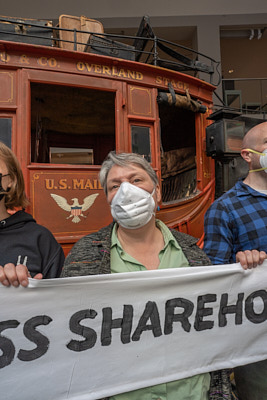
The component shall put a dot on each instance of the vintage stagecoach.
(71, 93)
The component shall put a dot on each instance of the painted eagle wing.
(89, 201)
(61, 202)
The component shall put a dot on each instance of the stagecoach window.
(6, 130)
(141, 141)
(71, 125)
(178, 153)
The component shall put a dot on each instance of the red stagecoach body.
(63, 110)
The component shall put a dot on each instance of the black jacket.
(23, 241)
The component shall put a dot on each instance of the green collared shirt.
(171, 256)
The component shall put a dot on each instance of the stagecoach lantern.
(224, 136)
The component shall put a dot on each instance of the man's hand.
(250, 258)
(16, 275)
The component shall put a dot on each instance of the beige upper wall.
(51, 9)
(202, 21)
(237, 55)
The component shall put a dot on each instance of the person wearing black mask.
(25, 246)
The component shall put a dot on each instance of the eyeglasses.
(2, 176)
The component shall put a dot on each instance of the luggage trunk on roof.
(34, 31)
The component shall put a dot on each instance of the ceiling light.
(251, 34)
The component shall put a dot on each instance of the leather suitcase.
(107, 47)
(11, 29)
(81, 24)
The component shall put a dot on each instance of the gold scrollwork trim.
(36, 176)
(11, 87)
(132, 88)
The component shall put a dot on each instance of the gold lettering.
(89, 67)
(42, 61)
(131, 74)
(78, 184)
(52, 62)
(165, 81)
(102, 69)
(139, 76)
(63, 184)
(80, 66)
(106, 70)
(49, 184)
(88, 185)
(176, 84)
(114, 71)
(98, 69)
(95, 183)
(24, 59)
(4, 57)
(122, 73)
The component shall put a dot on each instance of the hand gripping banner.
(72, 338)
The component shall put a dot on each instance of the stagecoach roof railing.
(176, 60)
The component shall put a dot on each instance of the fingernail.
(15, 283)
(24, 283)
(5, 282)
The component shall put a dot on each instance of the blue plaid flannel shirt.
(236, 221)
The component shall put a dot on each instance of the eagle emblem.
(76, 210)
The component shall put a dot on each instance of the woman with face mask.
(137, 241)
(26, 248)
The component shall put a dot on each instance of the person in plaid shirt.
(235, 229)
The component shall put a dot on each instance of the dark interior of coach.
(71, 125)
(76, 126)
(178, 153)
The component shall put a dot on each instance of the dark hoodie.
(23, 241)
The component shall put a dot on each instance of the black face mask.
(1, 187)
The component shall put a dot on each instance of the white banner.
(91, 337)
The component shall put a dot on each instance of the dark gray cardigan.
(91, 254)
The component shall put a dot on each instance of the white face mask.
(263, 160)
(132, 207)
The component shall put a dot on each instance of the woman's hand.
(11, 275)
